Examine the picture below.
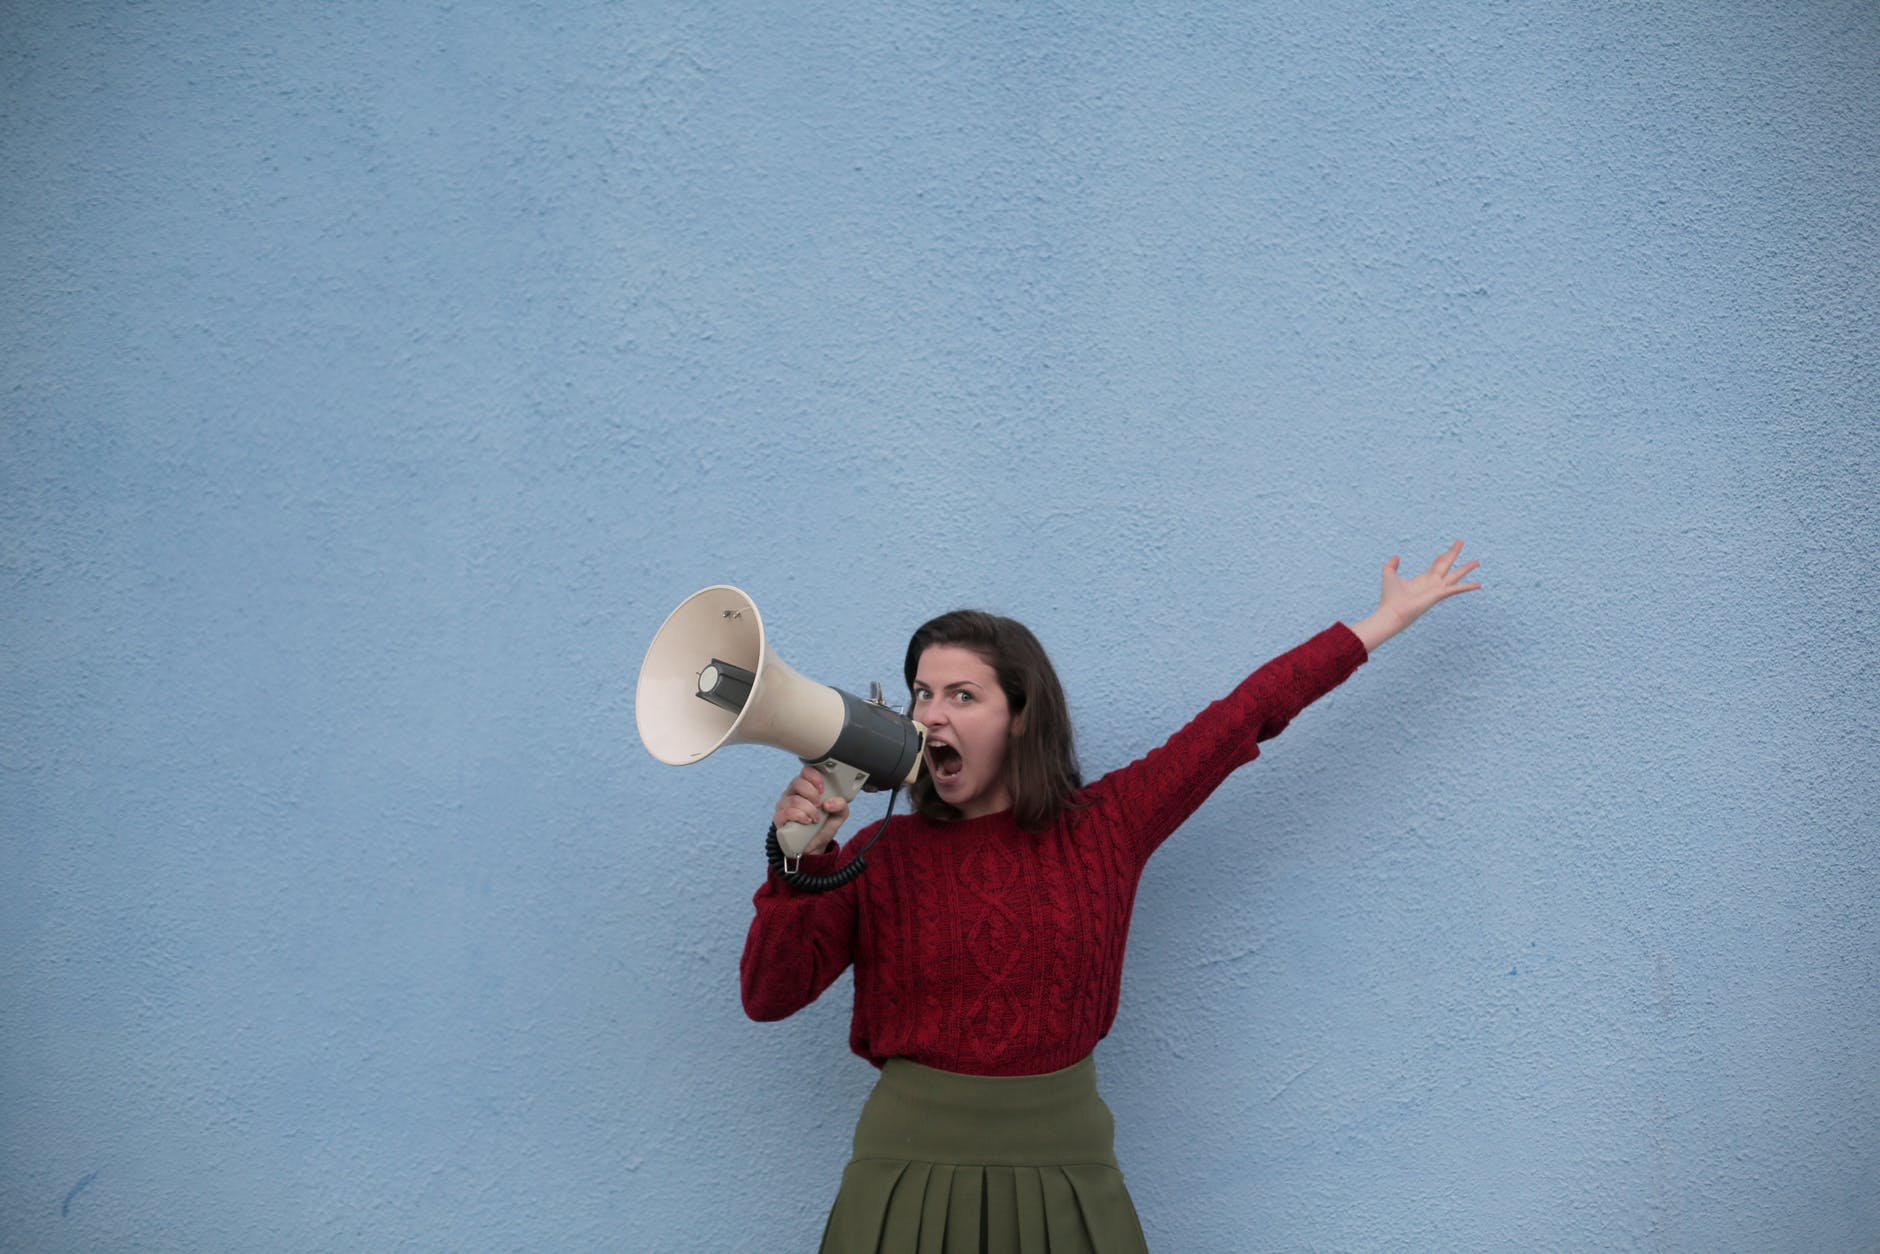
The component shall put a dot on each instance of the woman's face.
(957, 695)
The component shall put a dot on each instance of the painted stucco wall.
(373, 380)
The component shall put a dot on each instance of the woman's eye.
(965, 697)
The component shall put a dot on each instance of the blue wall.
(376, 378)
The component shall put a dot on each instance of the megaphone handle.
(839, 780)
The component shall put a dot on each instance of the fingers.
(810, 784)
(793, 810)
(1452, 581)
(802, 802)
(1442, 564)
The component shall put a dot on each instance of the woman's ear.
(1018, 725)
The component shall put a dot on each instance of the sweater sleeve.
(799, 942)
(1152, 796)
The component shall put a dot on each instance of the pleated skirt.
(960, 1164)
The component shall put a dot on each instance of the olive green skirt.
(961, 1164)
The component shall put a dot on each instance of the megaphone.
(710, 680)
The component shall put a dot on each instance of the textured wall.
(376, 378)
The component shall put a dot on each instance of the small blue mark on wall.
(66, 1208)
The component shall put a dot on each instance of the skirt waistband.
(921, 1114)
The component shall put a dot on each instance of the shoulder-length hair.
(1041, 757)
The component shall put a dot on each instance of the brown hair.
(1041, 757)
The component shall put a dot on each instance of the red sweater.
(986, 949)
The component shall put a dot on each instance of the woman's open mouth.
(944, 761)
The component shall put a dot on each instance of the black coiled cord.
(847, 873)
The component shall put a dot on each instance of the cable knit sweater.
(985, 949)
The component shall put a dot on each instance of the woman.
(988, 935)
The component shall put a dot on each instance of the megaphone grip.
(839, 780)
(846, 873)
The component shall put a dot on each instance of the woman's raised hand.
(802, 802)
(1405, 600)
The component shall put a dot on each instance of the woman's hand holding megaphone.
(803, 802)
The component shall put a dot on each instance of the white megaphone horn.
(710, 680)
